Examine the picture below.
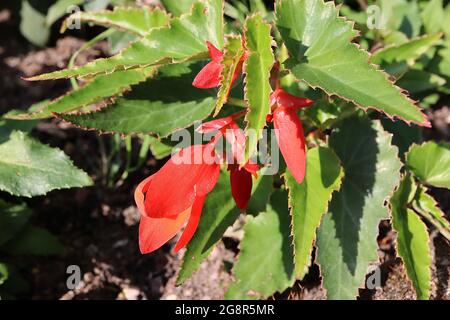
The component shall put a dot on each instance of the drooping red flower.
(210, 76)
(241, 183)
(240, 178)
(174, 195)
(289, 130)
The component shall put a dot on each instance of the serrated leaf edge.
(402, 91)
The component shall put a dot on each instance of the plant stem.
(236, 102)
(86, 46)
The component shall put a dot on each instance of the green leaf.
(136, 20)
(446, 21)
(257, 85)
(101, 87)
(412, 239)
(4, 273)
(233, 52)
(309, 201)
(12, 219)
(417, 81)
(261, 192)
(430, 163)
(433, 15)
(33, 241)
(346, 241)
(158, 106)
(177, 7)
(322, 55)
(59, 9)
(325, 112)
(159, 148)
(425, 205)
(401, 17)
(411, 50)
(33, 24)
(219, 213)
(24, 173)
(403, 135)
(183, 39)
(265, 264)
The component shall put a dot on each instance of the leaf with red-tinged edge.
(285, 99)
(209, 76)
(233, 53)
(175, 186)
(241, 186)
(257, 89)
(323, 56)
(214, 53)
(192, 225)
(154, 233)
(291, 140)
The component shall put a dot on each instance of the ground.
(98, 227)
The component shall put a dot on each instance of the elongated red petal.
(214, 53)
(215, 125)
(236, 138)
(192, 225)
(241, 186)
(154, 233)
(209, 76)
(175, 186)
(291, 140)
(284, 99)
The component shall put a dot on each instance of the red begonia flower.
(174, 195)
(240, 178)
(210, 76)
(289, 131)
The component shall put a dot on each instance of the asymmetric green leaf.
(137, 20)
(101, 87)
(233, 52)
(433, 15)
(23, 173)
(309, 201)
(412, 238)
(177, 7)
(265, 264)
(347, 237)
(410, 50)
(158, 106)
(430, 163)
(257, 73)
(183, 39)
(322, 55)
(33, 24)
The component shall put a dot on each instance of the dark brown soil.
(98, 226)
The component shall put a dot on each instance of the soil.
(99, 226)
